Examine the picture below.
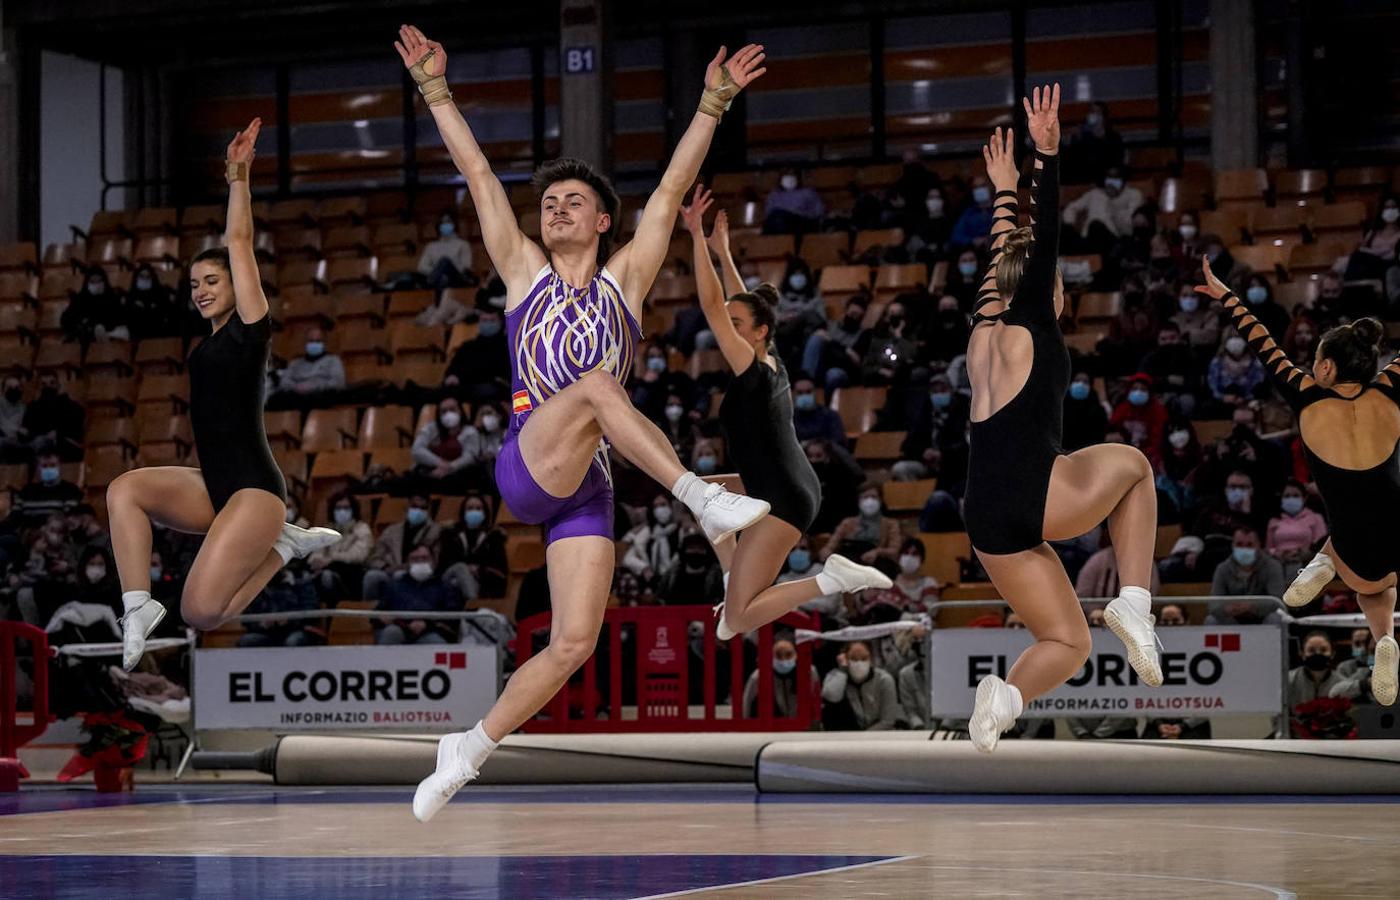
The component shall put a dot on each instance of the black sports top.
(1012, 452)
(228, 372)
(758, 432)
(1361, 503)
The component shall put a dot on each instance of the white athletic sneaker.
(853, 576)
(725, 512)
(1311, 579)
(299, 543)
(1136, 632)
(994, 711)
(137, 625)
(722, 630)
(1383, 673)
(452, 773)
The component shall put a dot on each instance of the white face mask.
(934, 205)
(451, 418)
(674, 412)
(342, 515)
(859, 669)
(870, 506)
(1179, 439)
(909, 564)
(420, 571)
(1390, 214)
(663, 514)
(1234, 346)
(490, 422)
(789, 182)
(96, 573)
(1187, 231)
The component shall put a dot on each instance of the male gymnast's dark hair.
(568, 168)
(1355, 348)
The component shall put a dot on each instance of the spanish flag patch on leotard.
(520, 402)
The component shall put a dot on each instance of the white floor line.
(736, 884)
(1278, 893)
(1340, 837)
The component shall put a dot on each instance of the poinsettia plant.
(1326, 718)
(114, 742)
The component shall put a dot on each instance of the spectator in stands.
(812, 419)
(1259, 296)
(1186, 244)
(84, 530)
(418, 589)
(801, 310)
(679, 424)
(166, 585)
(784, 680)
(1248, 571)
(802, 564)
(1094, 149)
(890, 352)
(1315, 678)
(1375, 257)
(1131, 333)
(1174, 369)
(1085, 416)
(1102, 215)
(1099, 575)
(964, 279)
(868, 536)
(927, 239)
(94, 312)
(705, 457)
(1296, 531)
(912, 591)
(1223, 263)
(915, 180)
(1180, 452)
(1300, 340)
(694, 575)
(858, 696)
(13, 447)
(312, 380)
(151, 310)
(97, 579)
(1171, 615)
(792, 208)
(390, 556)
(1183, 564)
(46, 494)
(342, 564)
(944, 330)
(447, 259)
(289, 590)
(1143, 418)
(474, 551)
(1355, 673)
(446, 453)
(1234, 373)
(1198, 319)
(936, 430)
(1232, 509)
(489, 436)
(653, 546)
(833, 354)
(975, 224)
(480, 369)
(840, 477)
(915, 697)
(54, 422)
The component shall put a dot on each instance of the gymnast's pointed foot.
(996, 709)
(298, 543)
(1313, 577)
(142, 616)
(1128, 618)
(459, 759)
(725, 512)
(840, 575)
(1384, 678)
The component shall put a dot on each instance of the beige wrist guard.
(235, 171)
(432, 87)
(716, 101)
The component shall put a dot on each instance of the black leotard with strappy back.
(1361, 503)
(1012, 452)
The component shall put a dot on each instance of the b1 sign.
(438, 687)
(1205, 671)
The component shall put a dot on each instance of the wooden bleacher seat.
(421, 373)
(1309, 259)
(1167, 536)
(18, 320)
(59, 356)
(413, 343)
(1262, 258)
(907, 496)
(876, 238)
(1241, 185)
(826, 249)
(329, 429)
(394, 237)
(1337, 216)
(348, 240)
(1098, 306)
(168, 391)
(879, 446)
(386, 426)
(842, 281)
(524, 554)
(891, 280)
(395, 459)
(408, 304)
(1210, 430)
(858, 407)
(1293, 183)
(352, 307)
(208, 217)
(283, 426)
(64, 258)
(157, 356)
(336, 210)
(333, 464)
(294, 467)
(1281, 220)
(347, 631)
(358, 341)
(943, 555)
(758, 247)
(170, 435)
(351, 272)
(109, 358)
(300, 212)
(19, 257)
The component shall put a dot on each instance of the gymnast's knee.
(571, 649)
(603, 389)
(1077, 640)
(200, 617)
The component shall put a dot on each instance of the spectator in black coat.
(54, 421)
(95, 311)
(47, 493)
(480, 369)
(150, 308)
(1086, 419)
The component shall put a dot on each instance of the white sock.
(828, 585)
(479, 746)
(132, 600)
(690, 490)
(1139, 600)
(1019, 703)
(284, 550)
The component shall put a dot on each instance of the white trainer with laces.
(137, 625)
(725, 512)
(299, 543)
(1136, 632)
(995, 710)
(1311, 579)
(1384, 678)
(852, 576)
(452, 773)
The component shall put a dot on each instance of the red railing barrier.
(13, 735)
(663, 676)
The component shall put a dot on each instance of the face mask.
(1371, 660)
(420, 571)
(446, 229)
(967, 269)
(1234, 346)
(1256, 294)
(417, 516)
(498, 302)
(1093, 120)
(1179, 439)
(489, 328)
(1189, 304)
(752, 281)
(1390, 214)
(1113, 184)
(341, 515)
(1137, 397)
(490, 423)
(473, 518)
(909, 564)
(982, 194)
(934, 205)
(451, 419)
(695, 561)
(156, 573)
(1245, 556)
(1187, 232)
(784, 666)
(291, 515)
(1236, 496)
(96, 573)
(789, 182)
(859, 670)
(940, 399)
(805, 401)
(797, 281)
(143, 283)
(662, 514)
(799, 560)
(1317, 662)
(315, 348)
(94, 286)
(656, 363)
(48, 474)
(706, 464)
(1292, 505)
(1079, 390)
(674, 412)
(870, 507)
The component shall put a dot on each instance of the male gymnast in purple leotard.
(572, 309)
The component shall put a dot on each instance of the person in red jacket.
(1143, 418)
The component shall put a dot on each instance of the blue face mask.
(705, 465)
(784, 666)
(1189, 304)
(315, 348)
(1371, 660)
(1257, 294)
(1137, 397)
(982, 194)
(797, 281)
(473, 518)
(656, 363)
(343, 515)
(156, 573)
(49, 474)
(799, 560)
(805, 401)
(489, 329)
(967, 269)
(940, 399)
(1293, 505)
(1079, 390)
(1245, 556)
(446, 229)
(1236, 496)
(417, 516)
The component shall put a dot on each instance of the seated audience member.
(390, 554)
(341, 566)
(1174, 369)
(975, 224)
(965, 279)
(310, 380)
(150, 307)
(695, 575)
(479, 370)
(1099, 576)
(1259, 297)
(1233, 508)
(652, 547)
(1198, 319)
(94, 311)
(1300, 340)
(1296, 532)
(915, 695)
(869, 535)
(1315, 679)
(812, 419)
(1092, 149)
(784, 680)
(800, 312)
(858, 696)
(801, 564)
(890, 352)
(935, 422)
(840, 478)
(1355, 673)
(1182, 564)
(945, 332)
(1085, 417)
(446, 453)
(446, 260)
(791, 208)
(419, 589)
(1374, 258)
(1248, 571)
(1102, 215)
(913, 591)
(833, 354)
(54, 422)
(13, 447)
(46, 494)
(1143, 418)
(288, 591)
(474, 552)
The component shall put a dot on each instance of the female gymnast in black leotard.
(1022, 489)
(1349, 418)
(757, 418)
(236, 498)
